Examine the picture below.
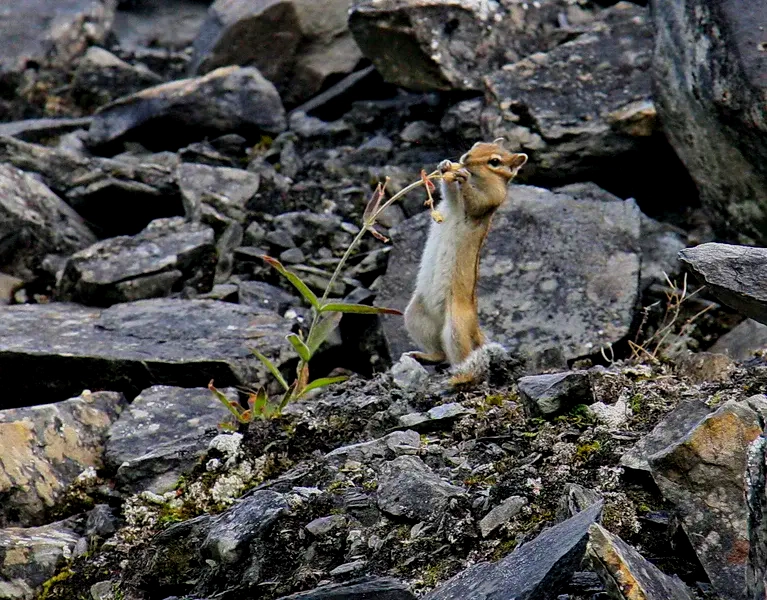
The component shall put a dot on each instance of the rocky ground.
(152, 152)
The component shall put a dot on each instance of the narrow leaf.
(303, 379)
(259, 401)
(326, 325)
(360, 309)
(287, 397)
(322, 382)
(234, 408)
(272, 368)
(308, 294)
(300, 347)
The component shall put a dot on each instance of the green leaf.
(326, 325)
(308, 294)
(233, 407)
(360, 309)
(285, 399)
(300, 347)
(272, 368)
(322, 382)
(259, 401)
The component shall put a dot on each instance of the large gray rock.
(130, 347)
(606, 111)
(710, 82)
(450, 44)
(168, 255)
(537, 569)
(742, 341)
(214, 194)
(296, 44)
(46, 447)
(532, 294)
(703, 476)
(756, 497)
(225, 100)
(35, 222)
(736, 275)
(553, 393)
(162, 434)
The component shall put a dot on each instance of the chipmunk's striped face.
(492, 158)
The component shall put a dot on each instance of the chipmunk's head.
(493, 161)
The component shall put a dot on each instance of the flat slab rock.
(130, 347)
(46, 447)
(367, 588)
(533, 295)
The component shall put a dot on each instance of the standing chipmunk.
(441, 317)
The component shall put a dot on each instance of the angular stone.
(537, 569)
(264, 295)
(161, 435)
(627, 574)
(735, 275)
(702, 475)
(168, 255)
(532, 294)
(408, 374)
(550, 394)
(501, 514)
(296, 44)
(225, 100)
(44, 448)
(34, 222)
(607, 112)
(212, 191)
(365, 588)
(756, 498)
(394, 444)
(33, 130)
(132, 346)
(742, 341)
(159, 25)
(710, 81)
(409, 488)
(674, 427)
(31, 556)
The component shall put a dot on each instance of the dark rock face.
(296, 44)
(710, 82)
(607, 108)
(532, 294)
(756, 497)
(132, 346)
(736, 275)
(225, 100)
(168, 255)
(367, 588)
(534, 570)
(34, 222)
(558, 392)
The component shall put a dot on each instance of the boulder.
(168, 255)
(34, 222)
(46, 447)
(532, 295)
(607, 111)
(703, 476)
(161, 435)
(130, 347)
(710, 81)
(554, 393)
(225, 100)
(297, 44)
(735, 275)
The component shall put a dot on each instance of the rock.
(608, 111)
(550, 394)
(626, 573)
(347, 568)
(31, 556)
(537, 569)
(34, 130)
(709, 76)
(408, 488)
(408, 374)
(39, 32)
(446, 45)
(102, 77)
(100, 521)
(159, 24)
(436, 417)
(365, 588)
(247, 522)
(225, 100)
(168, 255)
(532, 295)
(670, 431)
(735, 275)
(130, 347)
(575, 499)
(264, 295)
(756, 499)
(161, 435)
(114, 196)
(324, 525)
(505, 511)
(46, 447)
(395, 444)
(614, 416)
(702, 475)
(34, 222)
(742, 341)
(213, 193)
(702, 367)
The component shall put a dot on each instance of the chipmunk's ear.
(499, 141)
(518, 161)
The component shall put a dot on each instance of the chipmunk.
(441, 317)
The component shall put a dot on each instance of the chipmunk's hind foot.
(426, 358)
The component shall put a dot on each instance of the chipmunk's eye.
(494, 162)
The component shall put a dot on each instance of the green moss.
(62, 575)
(636, 403)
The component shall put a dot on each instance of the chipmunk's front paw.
(447, 166)
(461, 175)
